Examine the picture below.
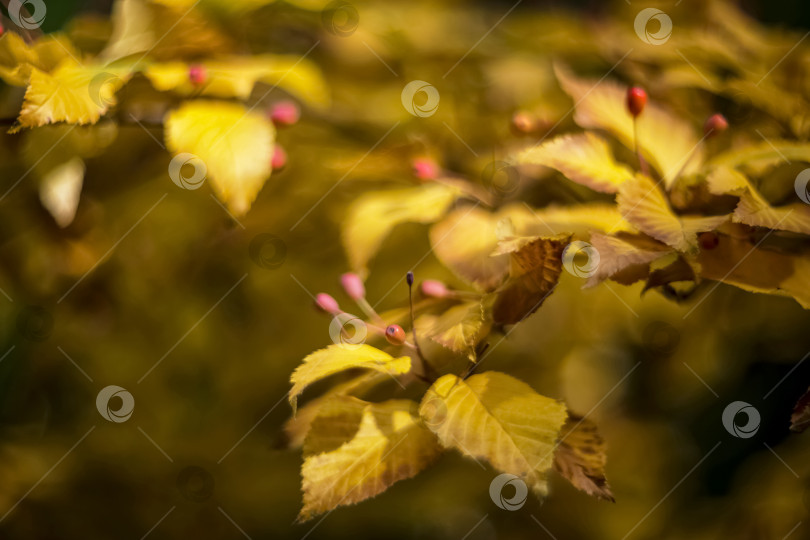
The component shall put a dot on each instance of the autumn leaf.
(581, 457)
(584, 158)
(800, 419)
(498, 418)
(60, 189)
(17, 58)
(534, 269)
(644, 205)
(373, 215)
(385, 443)
(235, 144)
(618, 253)
(337, 358)
(579, 219)
(459, 329)
(763, 156)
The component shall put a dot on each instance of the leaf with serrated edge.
(498, 418)
(459, 329)
(337, 358)
(619, 252)
(388, 445)
(581, 457)
(578, 220)
(583, 158)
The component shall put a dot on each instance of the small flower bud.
(636, 100)
(409, 278)
(433, 288)
(716, 123)
(279, 159)
(197, 74)
(395, 334)
(353, 285)
(284, 113)
(327, 304)
(425, 169)
(523, 123)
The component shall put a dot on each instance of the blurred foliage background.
(176, 308)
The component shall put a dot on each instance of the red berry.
(433, 288)
(326, 303)
(279, 159)
(395, 334)
(716, 123)
(636, 100)
(197, 74)
(353, 285)
(708, 240)
(284, 113)
(425, 169)
(2, 30)
(523, 122)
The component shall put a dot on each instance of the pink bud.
(425, 169)
(434, 288)
(716, 123)
(279, 159)
(284, 113)
(197, 74)
(326, 303)
(353, 285)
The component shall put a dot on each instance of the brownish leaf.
(800, 419)
(581, 457)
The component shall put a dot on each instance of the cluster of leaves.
(661, 205)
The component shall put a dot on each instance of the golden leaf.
(373, 215)
(644, 205)
(498, 418)
(60, 189)
(583, 158)
(384, 444)
(579, 219)
(17, 58)
(617, 253)
(764, 155)
(337, 358)
(535, 268)
(235, 144)
(459, 329)
(581, 457)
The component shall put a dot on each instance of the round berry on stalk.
(395, 334)
(284, 113)
(708, 240)
(636, 100)
(197, 74)
(425, 169)
(279, 159)
(523, 123)
(716, 123)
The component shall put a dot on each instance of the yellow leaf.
(17, 58)
(535, 267)
(73, 93)
(235, 144)
(373, 215)
(764, 155)
(60, 189)
(337, 358)
(386, 445)
(617, 253)
(459, 329)
(644, 205)
(463, 241)
(583, 158)
(581, 457)
(664, 139)
(579, 220)
(498, 418)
